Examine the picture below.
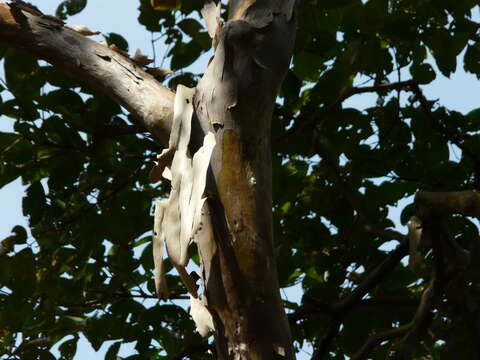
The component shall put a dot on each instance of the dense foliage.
(85, 264)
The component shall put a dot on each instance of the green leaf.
(68, 348)
(186, 79)
(162, 5)
(184, 54)
(116, 39)
(34, 204)
(307, 66)
(190, 27)
(147, 257)
(22, 76)
(472, 59)
(69, 8)
(407, 212)
(20, 234)
(149, 17)
(422, 73)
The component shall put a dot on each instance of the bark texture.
(235, 100)
(104, 69)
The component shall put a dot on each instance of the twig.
(340, 309)
(299, 125)
(453, 137)
(192, 349)
(314, 306)
(376, 339)
(420, 322)
(326, 341)
(374, 277)
(400, 85)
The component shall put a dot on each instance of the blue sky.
(459, 92)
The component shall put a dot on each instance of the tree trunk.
(235, 100)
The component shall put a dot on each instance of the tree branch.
(420, 322)
(400, 85)
(192, 349)
(453, 137)
(340, 309)
(374, 277)
(376, 339)
(301, 123)
(82, 58)
(332, 332)
(466, 203)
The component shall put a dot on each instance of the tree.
(336, 170)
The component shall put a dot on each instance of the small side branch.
(374, 277)
(326, 341)
(191, 350)
(419, 324)
(340, 310)
(412, 333)
(400, 85)
(450, 135)
(301, 123)
(377, 339)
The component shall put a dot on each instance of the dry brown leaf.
(83, 30)
(141, 59)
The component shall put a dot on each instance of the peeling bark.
(101, 67)
(235, 99)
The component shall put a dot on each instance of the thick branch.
(466, 203)
(82, 58)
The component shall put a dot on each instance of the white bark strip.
(201, 316)
(179, 218)
(158, 247)
(211, 15)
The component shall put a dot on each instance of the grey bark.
(235, 100)
(104, 69)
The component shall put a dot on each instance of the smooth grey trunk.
(235, 100)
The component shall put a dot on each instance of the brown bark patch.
(6, 15)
